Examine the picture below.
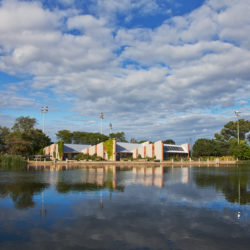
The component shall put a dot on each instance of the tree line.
(225, 143)
(24, 139)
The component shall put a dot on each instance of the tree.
(133, 140)
(169, 141)
(230, 131)
(241, 151)
(64, 135)
(4, 131)
(24, 138)
(24, 124)
(16, 145)
(119, 136)
(206, 147)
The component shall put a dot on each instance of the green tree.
(169, 141)
(206, 147)
(16, 145)
(119, 136)
(24, 138)
(24, 124)
(230, 131)
(133, 140)
(4, 131)
(241, 151)
(64, 135)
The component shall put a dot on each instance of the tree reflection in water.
(22, 193)
(233, 182)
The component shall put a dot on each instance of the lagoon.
(126, 208)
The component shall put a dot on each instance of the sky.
(157, 69)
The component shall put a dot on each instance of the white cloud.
(199, 61)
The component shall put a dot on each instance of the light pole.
(110, 128)
(44, 110)
(101, 116)
(237, 114)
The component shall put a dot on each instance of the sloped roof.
(169, 148)
(75, 148)
(126, 147)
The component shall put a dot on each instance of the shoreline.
(83, 164)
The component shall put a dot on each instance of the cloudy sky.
(157, 69)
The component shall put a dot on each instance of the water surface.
(134, 208)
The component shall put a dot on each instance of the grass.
(12, 162)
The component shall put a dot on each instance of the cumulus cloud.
(136, 76)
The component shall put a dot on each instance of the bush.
(12, 162)
(87, 157)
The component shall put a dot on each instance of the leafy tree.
(24, 124)
(206, 147)
(4, 131)
(241, 151)
(24, 138)
(16, 145)
(230, 131)
(119, 136)
(64, 135)
(169, 141)
(133, 140)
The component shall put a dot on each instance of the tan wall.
(100, 150)
(50, 151)
(159, 150)
(186, 147)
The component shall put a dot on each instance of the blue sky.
(156, 69)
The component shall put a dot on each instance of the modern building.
(114, 151)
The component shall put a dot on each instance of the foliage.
(230, 131)
(12, 162)
(206, 147)
(24, 124)
(169, 141)
(64, 135)
(78, 137)
(87, 157)
(60, 149)
(109, 148)
(241, 151)
(133, 140)
(119, 136)
(23, 139)
(4, 131)
(139, 156)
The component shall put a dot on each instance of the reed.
(12, 162)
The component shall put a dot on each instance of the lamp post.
(44, 110)
(101, 116)
(237, 114)
(110, 128)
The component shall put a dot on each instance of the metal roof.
(126, 147)
(75, 148)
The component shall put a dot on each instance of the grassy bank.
(12, 162)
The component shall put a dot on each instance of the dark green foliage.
(169, 141)
(230, 131)
(12, 162)
(78, 137)
(119, 136)
(24, 124)
(64, 135)
(87, 157)
(4, 131)
(24, 139)
(241, 151)
(206, 147)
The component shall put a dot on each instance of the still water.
(133, 208)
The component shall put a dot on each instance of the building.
(68, 152)
(114, 151)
